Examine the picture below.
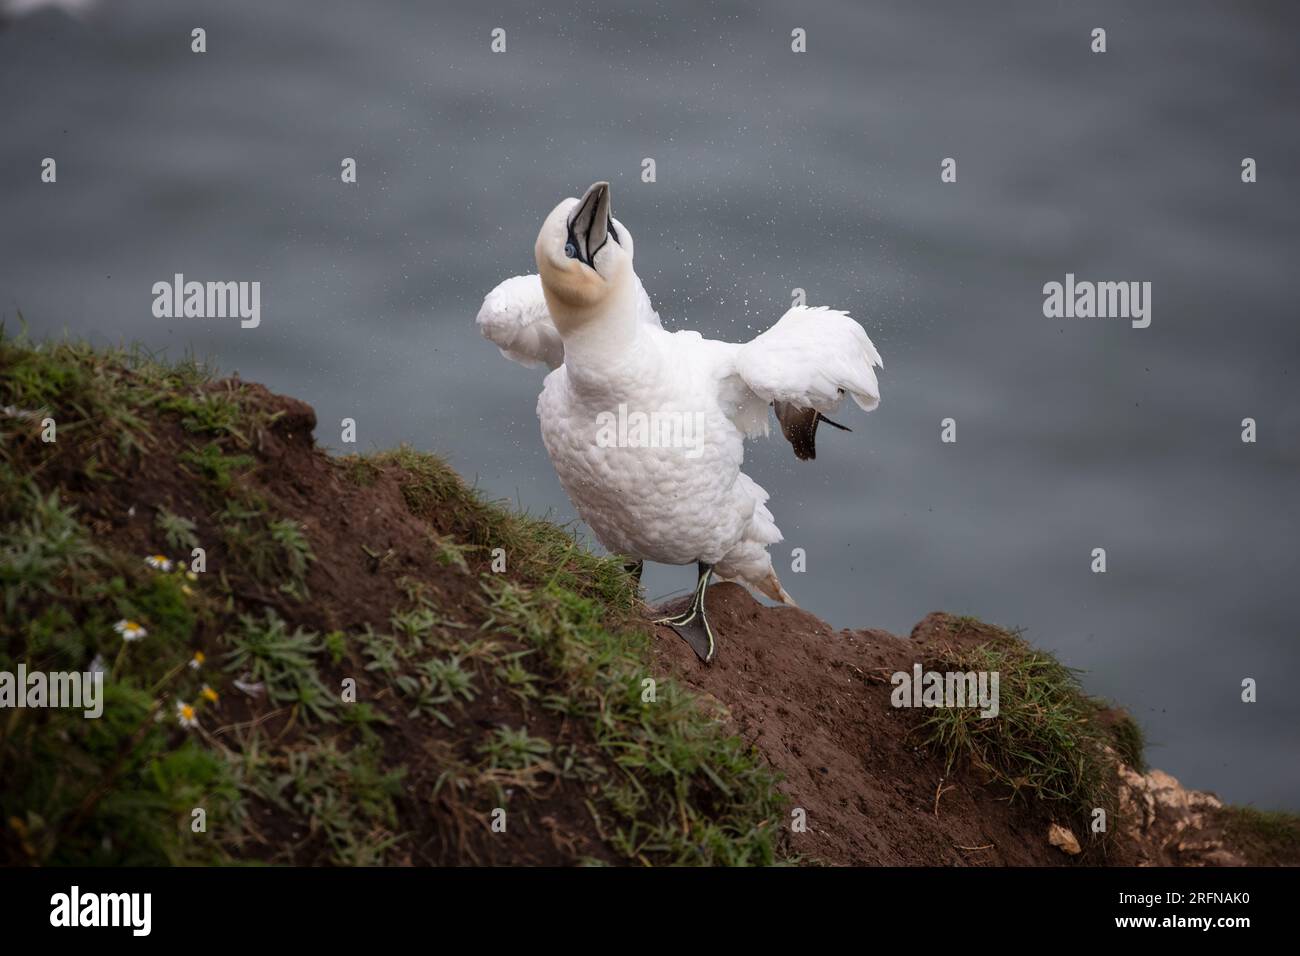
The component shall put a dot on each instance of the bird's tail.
(748, 562)
(772, 588)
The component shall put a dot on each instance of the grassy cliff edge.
(311, 659)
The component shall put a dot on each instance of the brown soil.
(812, 700)
(346, 523)
(816, 703)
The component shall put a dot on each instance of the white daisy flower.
(185, 715)
(159, 562)
(130, 630)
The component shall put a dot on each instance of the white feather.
(515, 319)
(810, 358)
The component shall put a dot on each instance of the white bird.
(645, 427)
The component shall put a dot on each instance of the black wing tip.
(823, 418)
(799, 425)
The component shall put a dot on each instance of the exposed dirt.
(816, 703)
(365, 541)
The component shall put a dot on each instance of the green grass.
(120, 789)
(672, 786)
(513, 749)
(284, 662)
(1275, 831)
(271, 549)
(1130, 742)
(96, 396)
(553, 642)
(289, 538)
(553, 637)
(178, 532)
(1044, 744)
(214, 466)
(678, 787)
(346, 798)
(534, 549)
(208, 413)
(42, 543)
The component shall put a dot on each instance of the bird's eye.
(570, 250)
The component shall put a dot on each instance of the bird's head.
(584, 256)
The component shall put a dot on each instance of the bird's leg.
(634, 568)
(691, 624)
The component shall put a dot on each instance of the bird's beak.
(589, 222)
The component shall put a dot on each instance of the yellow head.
(584, 256)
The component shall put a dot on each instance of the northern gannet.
(671, 490)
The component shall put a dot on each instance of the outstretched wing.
(804, 365)
(514, 318)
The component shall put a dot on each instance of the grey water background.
(775, 170)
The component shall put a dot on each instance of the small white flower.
(130, 630)
(185, 715)
(159, 562)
